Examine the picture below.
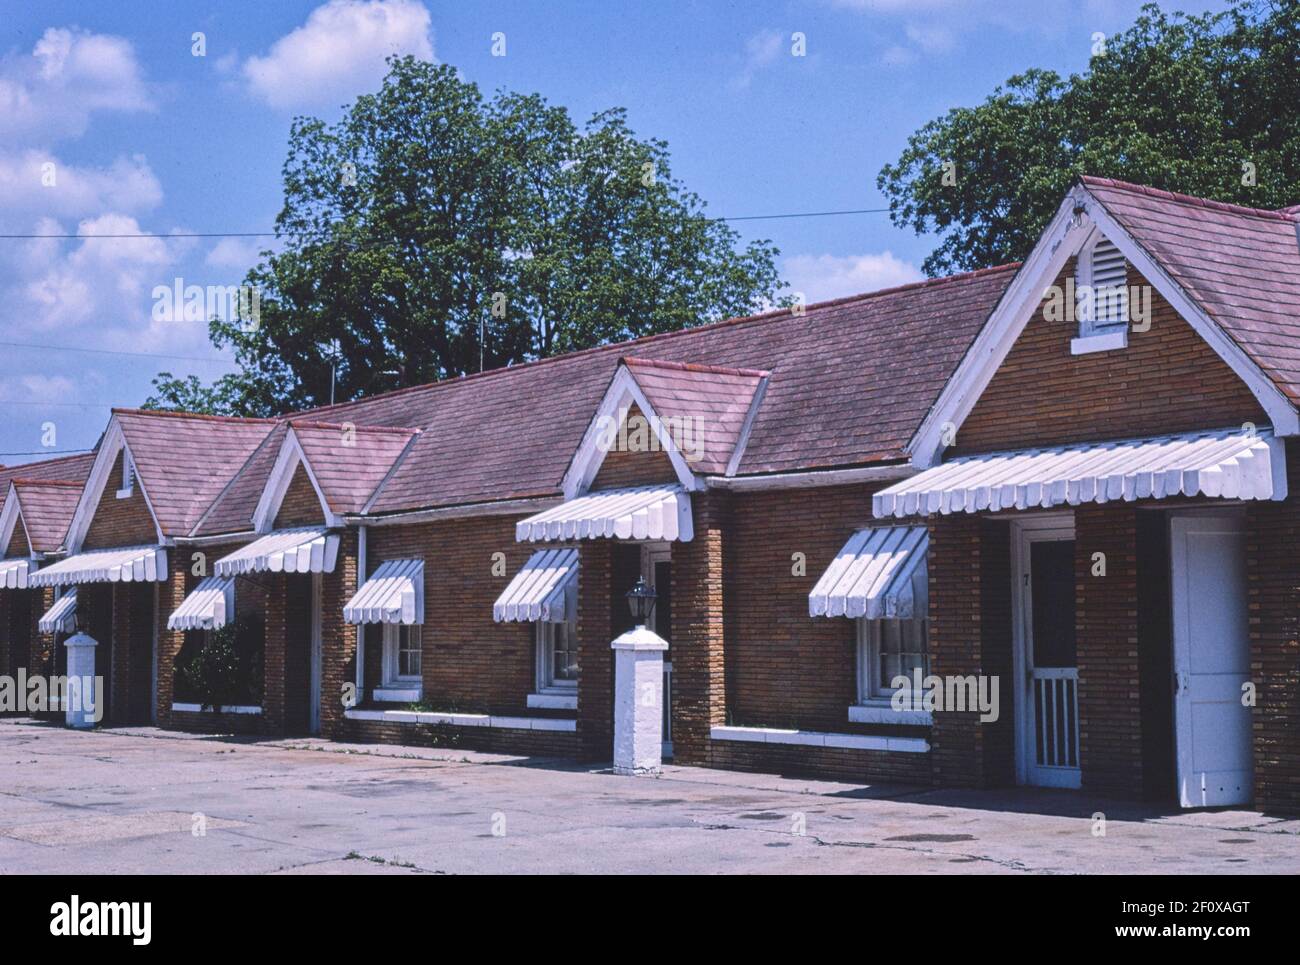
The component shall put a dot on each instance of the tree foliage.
(428, 212)
(1196, 104)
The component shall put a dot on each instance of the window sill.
(553, 701)
(228, 709)
(397, 694)
(462, 720)
(813, 738)
(884, 713)
(1099, 342)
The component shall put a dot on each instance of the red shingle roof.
(1240, 265)
(713, 402)
(47, 507)
(350, 462)
(67, 468)
(184, 461)
(850, 381)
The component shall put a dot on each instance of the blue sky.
(144, 136)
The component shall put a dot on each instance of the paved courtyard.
(129, 800)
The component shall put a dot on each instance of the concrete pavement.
(131, 801)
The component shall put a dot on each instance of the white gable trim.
(114, 442)
(622, 393)
(1079, 215)
(10, 516)
(289, 459)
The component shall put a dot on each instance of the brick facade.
(300, 506)
(1167, 380)
(120, 522)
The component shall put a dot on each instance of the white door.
(1047, 698)
(1211, 660)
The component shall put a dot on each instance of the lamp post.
(639, 689)
(641, 601)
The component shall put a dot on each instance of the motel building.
(1056, 495)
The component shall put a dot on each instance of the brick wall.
(120, 522)
(338, 639)
(17, 547)
(698, 654)
(1273, 587)
(633, 467)
(1167, 380)
(595, 658)
(1110, 708)
(300, 506)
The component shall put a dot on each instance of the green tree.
(1178, 102)
(429, 213)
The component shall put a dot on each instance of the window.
(557, 657)
(128, 476)
(889, 649)
(402, 653)
(1101, 287)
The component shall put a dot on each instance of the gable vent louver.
(1109, 285)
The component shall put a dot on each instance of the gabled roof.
(850, 381)
(349, 462)
(47, 507)
(184, 461)
(716, 401)
(232, 511)
(65, 468)
(1241, 266)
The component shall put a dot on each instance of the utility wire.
(272, 234)
(106, 351)
(44, 452)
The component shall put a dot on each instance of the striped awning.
(880, 574)
(1230, 464)
(645, 512)
(545, 589)
(138, 564)
(284, 551)
(14, 573)
(393, 594)
(209, 605)
(60, 618)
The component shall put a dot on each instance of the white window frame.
(127, 489)
(393, 680)
(1095, 336)
(871, 690)
(545, 682)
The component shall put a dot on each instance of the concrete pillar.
(638, 701)
(82, 697)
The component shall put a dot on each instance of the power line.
(272, 234)
(106, 351)
(44, 452)
(71, 405)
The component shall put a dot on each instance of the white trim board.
(622, 393)
(1079, 215)
(290, 457)
(114, 442)
(10, 516)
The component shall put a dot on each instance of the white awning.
(545, 589)
(14, 573)
(393, 594)
(880, 574)
(645, 512)
(209, 605)
(284, 551)
(138, 564)
(1229, 463)
(60, 617)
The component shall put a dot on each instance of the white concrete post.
(638, 701)
(81, 696)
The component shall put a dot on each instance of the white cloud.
(822, 277)
(339, 52)
(761, 50)
(240, 254)
(38, 182)
(69, 75)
